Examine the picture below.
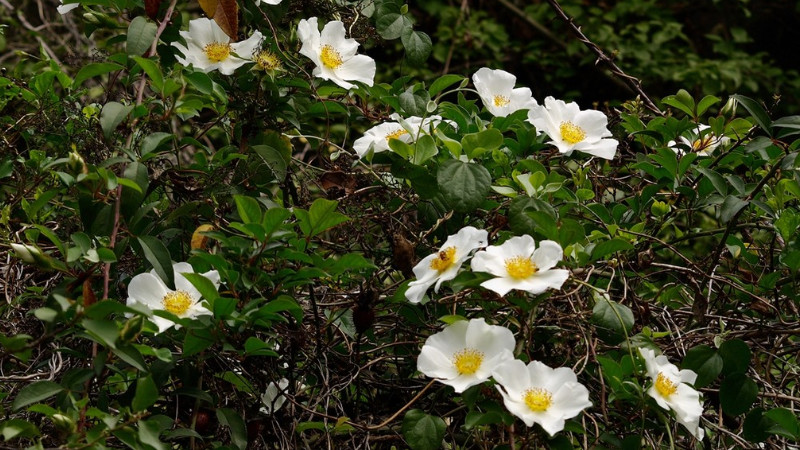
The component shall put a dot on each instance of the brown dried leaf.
(209, 7)
(199, 240)
(227, 17)
(151, 8)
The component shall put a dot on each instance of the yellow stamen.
(396, 134)
(217, 51)
(330, 57)
(177, 302)
(468, 361)
(702, 143)
(444, 260)
(665, 386)
(571, 133)
(267, 60)
(538, 399)
(501, 100)
(520, 267)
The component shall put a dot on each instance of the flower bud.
(63, 423)
(32, 255)
(729, 110)
(76, 163)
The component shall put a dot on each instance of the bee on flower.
(445, 263)
(671, 390)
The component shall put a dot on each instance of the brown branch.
(631, 82)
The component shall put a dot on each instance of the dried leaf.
(199, 240)
(151, 8)
(225, 13)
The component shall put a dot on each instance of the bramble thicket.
(348, 224)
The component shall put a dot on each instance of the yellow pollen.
(501, 100)
(444, 260)
(520, 268)
(395, 134)
(267, 60)
(217, 51)
(702, 143)
(571, 133)
(330, 57)
(665, 386)
(538, 399)
(177, 302)
(468, 361)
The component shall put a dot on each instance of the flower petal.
(148, 290)
(359, 68)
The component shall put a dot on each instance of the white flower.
(269, 2)
(444, 264)
(208, 48)
(149, 290)
(63, 9)
(671, 391)
(496, 88)
(699, 142)
(518, 264)
(273, 397)
(465, 353)
(27, 253)
(539, 394)
(378, 137)
(334, 55)
(571, 129)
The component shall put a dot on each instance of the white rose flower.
(518, 264)
(444, 264)
(671, 391)
(465, 353)
(149, 290)
(570, 129)
(539, 394)
(701, 142)
(378, 137)
(208, 48)
(496, 88)
(334, 56)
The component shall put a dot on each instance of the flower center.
(571, 133)
(267, 60)
(217, 51)
(395, 134)
(664, 385)
(330, 57)
(520, 267)
(177, 302)
(702, 143)
(501, 100)
(468, 361)
(538, 399)
(444, 260)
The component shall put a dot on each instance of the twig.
(630, 81)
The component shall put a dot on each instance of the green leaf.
(35, 392)
(444, 82)
(476, 144)
(141, 33)
(196, 341)
(276, 161)
(757, 111)
(418, 46)
(425, 149)
(785, 423)
(146, 393)
(158, 256)
(705, 362)
(614, 321)
(153, 141)
(17, 428)
(152, 70)
(735, 357)
(705, 103)
(414, 102)
(104, 332)
(463, 185)
(606, 248)
(94, 69)
(112, 114)
(248, 208)
(736, 393)
(730, 207)
(254, 346)
(392, 26)
(234, 421)
(716, 179)
(321, 216)
(203, 284)
(423, 431)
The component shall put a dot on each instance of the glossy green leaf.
(705, 362)
(737, 393)
(423, 431)
(141, 33)
(146, 394)
(231, 419)
(463, 185)
(35, 392)
(158, 256)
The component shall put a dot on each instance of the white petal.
(593, 122)
(514, 376)
(148, 290)
(333, 34)
(547, 255)
(359, 68)
(490, 339)
(604, 148)
(434, 363)
(500, 285)
(570, 399)
(308, 33)
(247, 48)
(63, 9)
(417, 289)
(201, 31)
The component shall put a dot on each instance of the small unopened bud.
(76, 163)
(63, 423)
(32, 255)
(91, 18)
(729, 110)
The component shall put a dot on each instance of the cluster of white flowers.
(516, 264)
(468, 353)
